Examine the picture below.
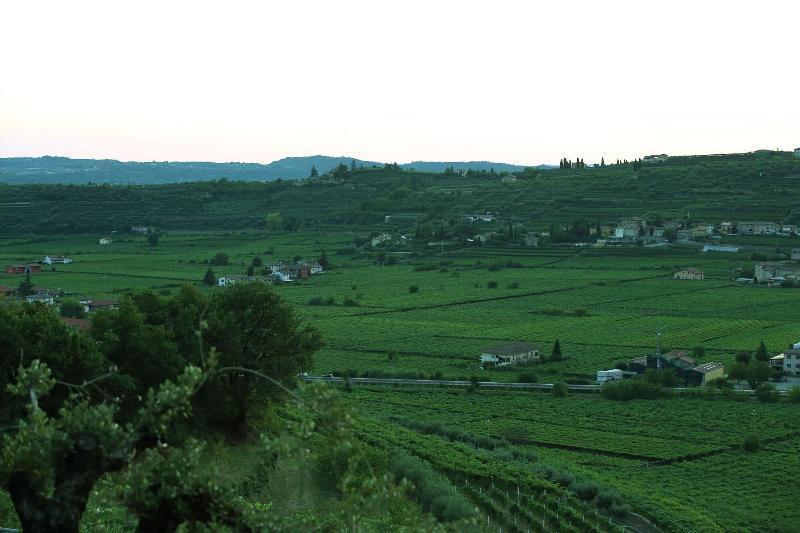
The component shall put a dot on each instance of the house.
(383, 237)
(689, 273)
(777, 362)
(90, 306)
(758, 228)
(791, 360)
(290, 272)
(40, 297)
(56, 260)
(609, 375)
(531, 241)
(508, 353)
(634, 222)
(717, 248)
(140, 229)
(105, 240)
(626, 232)
(77, 323)
(607, 230)
(726, 228)
(788, 229)
(702, 374)
(679, 358)
(23, 269)
(702, 230)
(776, 270)
(795, 254)
(683, 235)
(231, 279)
(508, 179)
(653, 231)
(660, 158)
(478, 218)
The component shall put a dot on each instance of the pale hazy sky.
(523, 82)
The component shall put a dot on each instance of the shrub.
(794, 394)
(766, 392)
(413, 289)
(752, 444)
(349, 302)
(585, 490)
(560, 389)
(491, 285)
(580, 312)
(527, 377)
(514, 285)
(221, 259)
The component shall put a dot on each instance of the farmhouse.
(660, 158)
(40, 297)
(513, 352)
(508, 179)
(23, 269)
(383, 237)
(726, 228)
(683, 235)
(775, 271)
(679, 358)
(56, 260)
(231, 279)
(478, 218)
(140, 229)
(290, 272)
(689, 273)
(702, 374)
(531, 241)
(609, 375)
(105, 240)
(96, 305)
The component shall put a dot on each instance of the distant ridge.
(64, 170)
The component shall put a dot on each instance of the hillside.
(763, 186)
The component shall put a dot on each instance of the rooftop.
(511, 348)
(708, 367)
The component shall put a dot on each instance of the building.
(758, 228)
(77, 323)
(508, 179)
(626, 232)
(231, 279)
(90, 306)
(689, 273)
(776, 362)
(653, 231)
(40, 297)
(609, 375)
(791, 360)
(383, 237)
(478, 218)
(23, 269)
(795, 254)
(531, 241)
(797, 152)
(683, 235)
(56, 260)
(509, 353)
(105, 240)
(726, 228)
(679, 358)
(659, 158)
(290, 272)
(776, 271)
(140, 229)
(706, 372)
(717, 248)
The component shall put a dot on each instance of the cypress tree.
(761, 353)
(556, 354)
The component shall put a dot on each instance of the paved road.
(459, 383)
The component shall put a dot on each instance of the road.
(459, 383)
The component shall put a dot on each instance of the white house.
(609, 375)
(508, 179)
(478, 218)
(689, 273)
(513, 352)
(56, 260)
(625, 232)
(231, 279)
(41, 297)
(140, 229)
(105, 240)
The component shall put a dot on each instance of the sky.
(515, 81)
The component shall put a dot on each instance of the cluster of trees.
(76, 406)
(568, 163)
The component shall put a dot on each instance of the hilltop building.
(775, 271)
(231, 279)
(105, 240)
(23, 269)
(660, 158)
(56, 260)
(797, 152)
(689, 273)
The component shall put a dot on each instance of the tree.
(25, 286)
(152, 239)
(761, 353)
(560, 389)
(323, 260)
(744, 357)
(220, 259)
(209, 278)
(751, 444)
(274, 221)
(602, 162)
(72, 309)
(252, 327)
(758, 373)
(767, 393)
(256, 262)
(555, 355)
(313, 173)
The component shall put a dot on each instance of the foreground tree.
(209, 278)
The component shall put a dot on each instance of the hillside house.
(700, 231)
(286, 272)
(90, 306)
(702, 374)
(791, 361)
(508, 179)
(758, 228)
(656, 158)
(23, 269)
(478, 218)
(380, 239)
(679, 358)
(531, 241)
(653, 231)
(56, 260)
(626, 232)
(788, 229)
(105, 240)
(40, 297)
(689, 273)
(683, 235)
(726, 228)
(614, 374)
(776, 271)
(776, 362)
(510, 353)
(231, 279)
(140, 229)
